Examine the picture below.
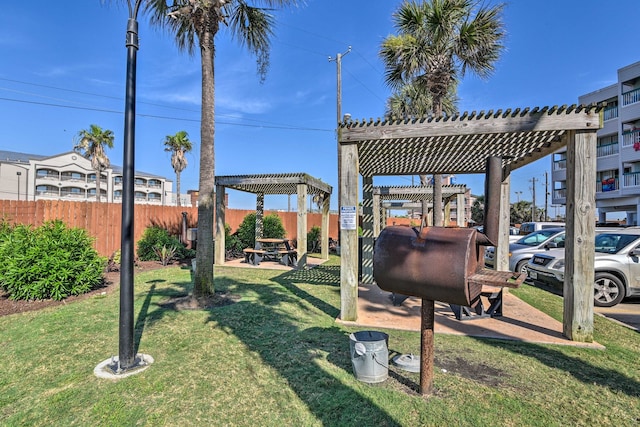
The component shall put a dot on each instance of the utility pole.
(533, 204)
(546, 196)
(338, 60)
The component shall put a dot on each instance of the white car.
(617, 267)
(521, 251)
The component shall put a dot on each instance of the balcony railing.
(631, 179)
(631, 96)
(610, 113)
(630, 138)
(560, 193)
(607, 149)
(609, 184)
(559, 164)
(53, 175)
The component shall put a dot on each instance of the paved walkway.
(520, 321)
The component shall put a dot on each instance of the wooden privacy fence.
(103, 220)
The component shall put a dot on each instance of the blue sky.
(64, 64)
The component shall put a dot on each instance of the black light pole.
(127, 357)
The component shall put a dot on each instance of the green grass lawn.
(277, 357)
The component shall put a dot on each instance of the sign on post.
(348, 218)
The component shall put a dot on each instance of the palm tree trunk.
(178, 188)
(203, 280)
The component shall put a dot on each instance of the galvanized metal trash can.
(370, 355)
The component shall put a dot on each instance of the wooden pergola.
(410, 197)
(463, 144)
(300, 184)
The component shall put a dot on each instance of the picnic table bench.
(271, 249)
(253, 256)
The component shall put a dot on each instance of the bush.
(154, 239)
(232, 243)
(313, 239)
(51, 261)
(271, 228)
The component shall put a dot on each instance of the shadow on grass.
(321, 275)
(313, 361)
(581, 370)
(146, 317)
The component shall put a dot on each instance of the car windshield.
(612, 243)
(537, 237)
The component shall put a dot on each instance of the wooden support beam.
(302, 226)
(349, 234)
(580, 238)
(219, 246)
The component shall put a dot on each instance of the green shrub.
(313, 239)
(51, 261)
(271, 228)
(232, 243)
(155, 238)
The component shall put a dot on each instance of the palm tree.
(195, 24)
(178, 145)
(91, 143)
(438, 42)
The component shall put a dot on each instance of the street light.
(128, 362)
(518, 193)
(18, 173)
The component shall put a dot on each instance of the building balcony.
(610, 113)
(607, 149)
(630, 138)
(559, 165)
(560, 193)
(631, 179)
(631, 96)
(609, 184)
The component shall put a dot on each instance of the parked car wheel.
(608, 290)
(521, 267)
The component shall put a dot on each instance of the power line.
(102, 110)
(115, 98)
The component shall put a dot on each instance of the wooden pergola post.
(302, 226)
(580, 238)
(349, 233)
(324, 246)
(219, 248)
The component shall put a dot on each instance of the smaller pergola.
(300, 184)
(409, 195)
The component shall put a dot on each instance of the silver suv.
(617, 267)
(522, 250)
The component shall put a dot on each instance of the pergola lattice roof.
(462, 143)
(412, 192)
(283, 183)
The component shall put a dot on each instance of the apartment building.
(69, 176)
(618, 149)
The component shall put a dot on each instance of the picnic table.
(271, 249)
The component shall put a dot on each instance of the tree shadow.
(581, 370)
(320, 275)
(299, 354)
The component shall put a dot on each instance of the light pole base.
(110, 368)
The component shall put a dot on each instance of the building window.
(72, 176)
(47, 190)
(47, 174)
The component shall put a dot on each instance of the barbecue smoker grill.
(435, 263)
